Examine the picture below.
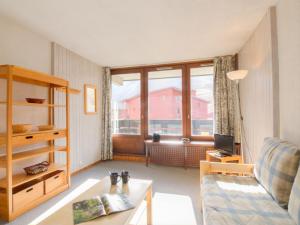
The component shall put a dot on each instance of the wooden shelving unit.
(33, 190)
(22, 103)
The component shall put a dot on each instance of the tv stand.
(215, 155)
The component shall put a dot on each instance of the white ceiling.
(136, 32)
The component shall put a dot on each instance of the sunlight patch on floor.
(171, 209)
(167, 209)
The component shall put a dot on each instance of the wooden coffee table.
(137, 191)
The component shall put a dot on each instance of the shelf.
(20, 103)
(20, 139)
(32, 77)
(30, 154)
(22, 178)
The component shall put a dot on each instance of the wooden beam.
(71, 90)
(231, 168)
(9, 117)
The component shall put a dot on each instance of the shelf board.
(30, 154)
(71, 90)
(20, 103)
(32, 77)
(22, 178)
(32, 132)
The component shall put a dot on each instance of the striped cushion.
(294, 203)
(234, 200)
(276, 168)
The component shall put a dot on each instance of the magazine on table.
(98, 206)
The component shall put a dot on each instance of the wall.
(288, 12)
(22, 47)
(270, 94)
(258, 93)
(85, 130)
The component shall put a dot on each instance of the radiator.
(178, 154)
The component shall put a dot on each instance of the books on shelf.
(97, 206)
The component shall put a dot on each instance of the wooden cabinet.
(19, 192)
(28, 195)
(54, 181)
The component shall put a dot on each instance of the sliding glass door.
(126, 101)
(175, 101)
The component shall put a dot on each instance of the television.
(225, 144)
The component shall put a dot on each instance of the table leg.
(147, 156)
(185, 156)
(149, 206)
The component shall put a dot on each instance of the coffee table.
(137, 191)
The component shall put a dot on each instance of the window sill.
(179, 142)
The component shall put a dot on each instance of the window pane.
(165, 102)
(126, 104)
(202, 106)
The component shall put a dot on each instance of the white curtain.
(225, 98)
(106, 152)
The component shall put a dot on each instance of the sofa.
(264, 193)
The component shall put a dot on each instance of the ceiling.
(120, 33)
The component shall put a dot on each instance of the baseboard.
(129, 157)
(85, 168)
(120, 157)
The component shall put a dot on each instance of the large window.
(172, 100)
(126, 104)
(201, 93)
(165, 102)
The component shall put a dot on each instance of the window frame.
(186, 101)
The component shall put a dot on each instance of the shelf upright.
(9, 118)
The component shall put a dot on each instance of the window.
(172, 100)
(202, 106)
(126, 104)
(165, 102)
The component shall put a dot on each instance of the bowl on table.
(45, 127)
(21, 128)
(35, 100)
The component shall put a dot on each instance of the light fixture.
(237, 74)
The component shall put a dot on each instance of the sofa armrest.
(233, 168)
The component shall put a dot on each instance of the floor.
(175, 192)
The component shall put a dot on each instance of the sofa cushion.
(276, 168)
(239, 200)
(294, 203)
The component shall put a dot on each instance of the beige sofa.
(253, 194)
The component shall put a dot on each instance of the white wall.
(85, 130)
(259, 99)
(288, 12)
(22, 47)
(19, 46)
(271, 93)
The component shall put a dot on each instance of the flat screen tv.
(225, 144)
